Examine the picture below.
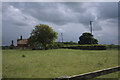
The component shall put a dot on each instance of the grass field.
(56, 62)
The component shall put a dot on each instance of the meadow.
(56, 62)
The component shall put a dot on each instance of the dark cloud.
(63, 13)
(75, 6)
(108, 10)
(19, 18)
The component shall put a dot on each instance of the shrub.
(5, 47)
(70, 43)
(58, 45)
(112, 46)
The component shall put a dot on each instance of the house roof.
(23, 41)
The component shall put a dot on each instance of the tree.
(42, 36)
(87, 38)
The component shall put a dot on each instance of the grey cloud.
(108, 10)
(75, 12)
(50, 13)
(72, 18)
(75, 6)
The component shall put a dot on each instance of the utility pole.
(91, 29)
(91, 26)
(62, 37)
(59, 39)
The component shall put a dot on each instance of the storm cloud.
(70, 18)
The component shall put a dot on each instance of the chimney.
(21, 37)
(30, 38)
(12, 41)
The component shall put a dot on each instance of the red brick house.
(22, 43)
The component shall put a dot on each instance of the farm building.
(22, 43)
(12, 45)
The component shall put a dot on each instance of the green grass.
(56, 62)
(111, 75)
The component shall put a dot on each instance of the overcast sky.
(69, 18)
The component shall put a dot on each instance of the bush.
(5, 47)
(112, 46)
(58, 45)
(70, 43)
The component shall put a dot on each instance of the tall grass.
(56, 62)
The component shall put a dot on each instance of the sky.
(70, 18)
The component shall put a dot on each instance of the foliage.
(5, 47)
(87, 47)
(113, 46)
(87, 38)
(70, 43)
(42, 36)
(57, 45)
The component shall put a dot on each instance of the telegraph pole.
(91, 26)
(91, 29)
(62, 37)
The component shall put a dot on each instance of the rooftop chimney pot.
(21, 37)
(12, 41)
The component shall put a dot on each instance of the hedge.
(87, 47)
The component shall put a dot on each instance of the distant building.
(22, 43)
(12, 45)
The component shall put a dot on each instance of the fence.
(89, 75)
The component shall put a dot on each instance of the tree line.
(43, 36)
